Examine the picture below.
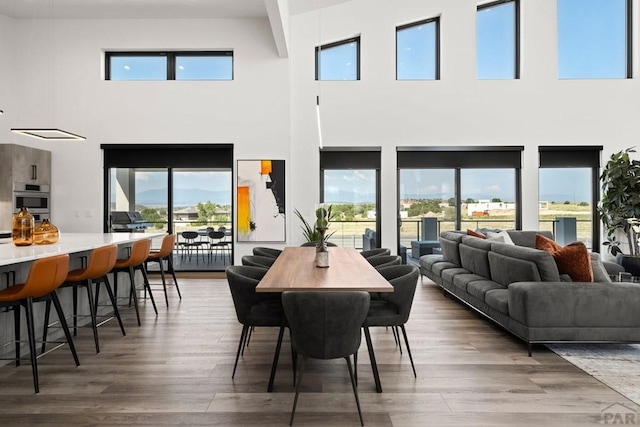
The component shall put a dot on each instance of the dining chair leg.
(406, 341)
(147, 287)
(395, 328)
(295, 399)
(112, 298)
(45, 327)
(32, 344)
(65, 327)
(372, 357)
(294, 359)
(355, 367)
(355, 388)
(173, 273)
(395, 335)
(16, 330)
(242, 335)
(275, 360)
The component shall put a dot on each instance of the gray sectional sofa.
(520, 288)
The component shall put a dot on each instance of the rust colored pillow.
(572, 259)
(545, 244)
(475, 234)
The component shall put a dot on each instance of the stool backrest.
(45, 276)
(101, 261)
(139, 253)
(168, 242)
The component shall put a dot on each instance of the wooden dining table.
(295, 270)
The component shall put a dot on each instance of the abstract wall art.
(261, 201)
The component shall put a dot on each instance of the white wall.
(268, 111)
(252, 111)
(536, 110)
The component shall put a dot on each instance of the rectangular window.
(594, 39)
(498, 40)
(339, 60)
(418, 50)
(169, 65)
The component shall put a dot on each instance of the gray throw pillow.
(599, 272)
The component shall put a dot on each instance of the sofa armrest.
(613, 267)
(575, 304)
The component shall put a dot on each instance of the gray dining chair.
(375, 252)
(393, 308)
(258, 261)
(382, 261)
(255, 309)
(316, 243)
(325, 325)
(267, 252)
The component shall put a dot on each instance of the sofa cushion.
(474, 255)
(427, 261)
(526, 237)
(449, 242)
(448, 274)
(511, 263)
(479, 288)
(572, 259)
(462, 281)
(498, 299)
(439, 267)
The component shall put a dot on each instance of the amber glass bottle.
(46, 233)
(23, 225)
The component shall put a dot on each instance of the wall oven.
(35, 197)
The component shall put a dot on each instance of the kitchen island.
(15, 262)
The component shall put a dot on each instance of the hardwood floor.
(176, 370)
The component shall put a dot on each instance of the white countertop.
(68, 243)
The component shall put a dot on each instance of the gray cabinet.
(20, 164)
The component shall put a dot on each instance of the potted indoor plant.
(619, 208)
(312, 233)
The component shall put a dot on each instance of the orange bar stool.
(101, 261)
(45, 276)
(166, 254)
(135, 261)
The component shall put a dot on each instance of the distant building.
(485, 206)
(186, 214)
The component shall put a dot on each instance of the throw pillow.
(545, 244)
(475, 234)
(572, 259)
(502, 235)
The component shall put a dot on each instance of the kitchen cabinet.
(20, 164)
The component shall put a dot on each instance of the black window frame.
(338, 158)
(171, 61)
(463, 157)
(435, 20)
(320, 48)
(629, 46)
(583, 156)
(516, 28)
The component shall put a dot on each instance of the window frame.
(628, 45)
(320, 48)
(516, 35)
(171, 61)
(435, 20)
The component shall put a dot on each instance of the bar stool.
(165, 254)
(45, 276)
(139, 254)
(100, 263)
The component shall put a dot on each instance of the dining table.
(295, 270)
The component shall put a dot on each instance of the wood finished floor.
(176, 370)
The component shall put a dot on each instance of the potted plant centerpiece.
(619, 208)
(317, 234)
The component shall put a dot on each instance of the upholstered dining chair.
(316, 243)
(382, 261)
(375, 252)
(258, 261)
(325, 325)
(267, 252)
(165, 253)
(45, 276)
(393, 308)
(255, 309)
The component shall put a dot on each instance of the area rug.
(616, 365)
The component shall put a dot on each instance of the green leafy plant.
(323, 219)
(619, 208)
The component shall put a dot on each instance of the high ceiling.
(115, 9)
